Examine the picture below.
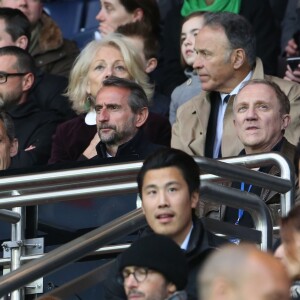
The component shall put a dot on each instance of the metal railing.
(71, 185)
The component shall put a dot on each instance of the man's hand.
(90, 151)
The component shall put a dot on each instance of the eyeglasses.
(3, 76)
(139, 274)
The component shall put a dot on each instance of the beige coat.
(189, 130)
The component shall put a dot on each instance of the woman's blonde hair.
(78, 80)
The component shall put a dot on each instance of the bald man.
(243, 272)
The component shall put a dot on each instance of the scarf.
(190, 6)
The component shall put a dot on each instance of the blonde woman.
(111, 56)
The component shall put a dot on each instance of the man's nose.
(163, 199)
(130, 281)
(198, 63)
(102, 115)
(251, 113)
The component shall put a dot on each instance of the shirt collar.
(185, 243)
(237, 88)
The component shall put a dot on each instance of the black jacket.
(33, 127)
(201, 244)
(47, 93)
(138, 147)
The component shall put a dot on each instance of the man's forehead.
(7, 60)
(112, 93)
(172, 174)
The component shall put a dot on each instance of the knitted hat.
(158, 253)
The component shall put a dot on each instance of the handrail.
(76, 249)
(9, 216)
(287, 172)
(72, 251)
(236, 198)
(114, 185)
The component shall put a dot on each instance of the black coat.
(139, 147)
(33, 127)
(47, 93)
(201, 244)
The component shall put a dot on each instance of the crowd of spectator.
(177, 79)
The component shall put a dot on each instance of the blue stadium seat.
(67, 15)
(92, 9)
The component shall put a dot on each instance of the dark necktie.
(212, 124)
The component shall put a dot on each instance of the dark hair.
(8, 125)
(238, 30)
(281, 96)
(16, 23)
(140, 30)
(168, 157)
(137, 98)
(151, 12)
(25, 62)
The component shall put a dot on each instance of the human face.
(8, 148)
(11, 92)
(189, 32)
(154, 287)
(111, 15)
(107, 62)
(257, 118)
(116, 123)
(167, 203)
(214, 60)
(265, 280)
(31, 8)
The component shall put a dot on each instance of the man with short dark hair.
(51, 52)
(34, 127)
(47, 90)
(226, 58)
(154, 267)
(121, 111)
(168, 184)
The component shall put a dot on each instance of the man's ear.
(28, 81)
(141, 117)
(14, 148)
(171, 287)
(138, 15)
(195, 199)
(22, 42)
(151, 65)
(238, 58)
(286, 119)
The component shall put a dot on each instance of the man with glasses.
(33, 127)
(47, 90)
(154, 267)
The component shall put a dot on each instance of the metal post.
(17, 235)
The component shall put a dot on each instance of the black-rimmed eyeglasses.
(3, 76)
(140, 274)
